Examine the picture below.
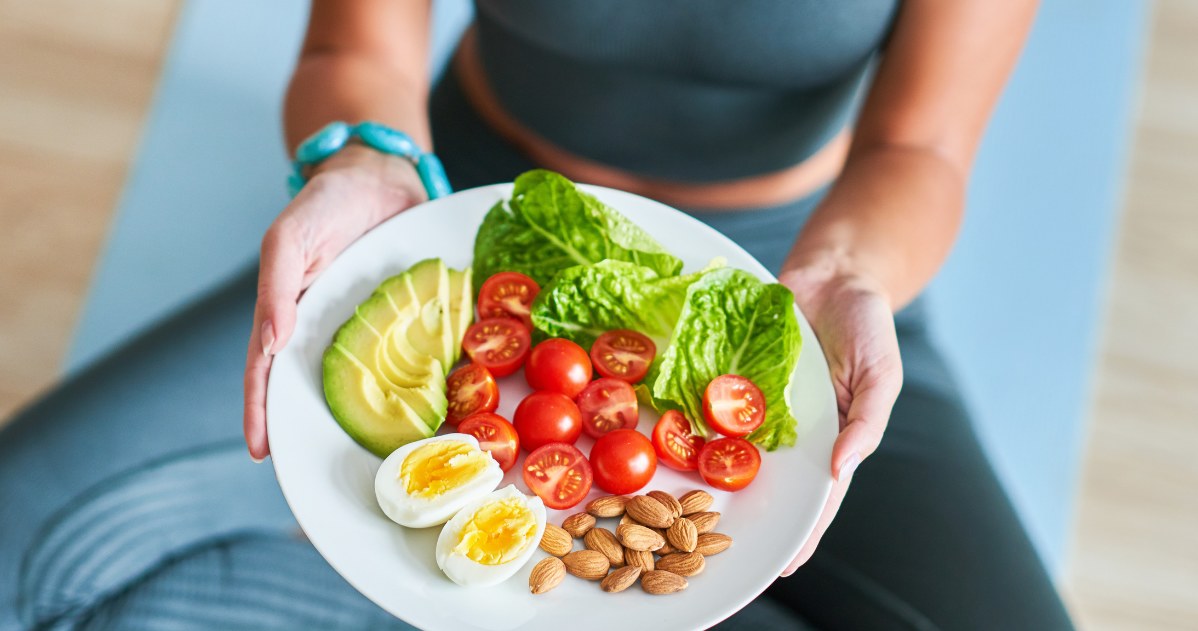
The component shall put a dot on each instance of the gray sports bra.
(687, 90)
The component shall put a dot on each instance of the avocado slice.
(461, 306)
(380, 420)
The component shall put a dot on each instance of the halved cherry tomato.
(500, 344)
(559, 474)
(677, 446)
(623, 354)
(607, 404)
(729, 464)
(733, 405)
(623, 461)
(495, 435)
(508, 295)
(558, 365)
(470, 389)
(547, 417)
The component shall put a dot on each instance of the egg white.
(468, 572)
(422, 512)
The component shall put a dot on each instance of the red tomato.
(559, 474)
(729, 464)
(558, 365)
(547, 417)
(606, 405)
(733, 405)
(495, 435)
(500, 344)
(677, 447)
(508, 295)
(623, 354)
(623, 461)
(470, 389)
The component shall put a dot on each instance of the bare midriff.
(757, 191)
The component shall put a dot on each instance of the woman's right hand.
(347, 195)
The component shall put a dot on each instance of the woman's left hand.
(852, 318)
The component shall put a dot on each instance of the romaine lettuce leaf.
(550, 225)
(732, 323)
(584, 301)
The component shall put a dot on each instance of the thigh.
(132, 461)
(926, 537)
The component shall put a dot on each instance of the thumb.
(280, 281)
(866, 421)
(280, 278)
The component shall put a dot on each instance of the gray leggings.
(127, 500)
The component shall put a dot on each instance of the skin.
(876, 240)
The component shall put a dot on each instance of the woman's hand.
(852, 318)
(350, 193)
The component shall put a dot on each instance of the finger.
(257, 367)
(280, 275)
(280, 279)
(867, 416)
(831, 506)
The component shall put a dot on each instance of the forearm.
(350, 87)
(891, 218)
(362, 60)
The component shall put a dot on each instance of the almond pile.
(660, 540)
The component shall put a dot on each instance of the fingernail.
(257, 460)
(848, 467)
(268, 337)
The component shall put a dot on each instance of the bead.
(387, 140)
(295, 183)
(432, 175)
(324, 143)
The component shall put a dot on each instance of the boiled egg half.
(426, 482)
(491, 538)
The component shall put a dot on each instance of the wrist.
(818, 277)
(360, 170)
(333, 140)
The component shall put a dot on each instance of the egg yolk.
(497, 532)
(441, 466)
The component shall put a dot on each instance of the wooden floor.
(76, 80)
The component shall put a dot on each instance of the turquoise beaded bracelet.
(334, 136)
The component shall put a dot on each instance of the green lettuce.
(550, 225)
(732, 323)
(584, 301)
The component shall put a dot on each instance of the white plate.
(328, 479)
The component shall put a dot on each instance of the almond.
(712, 543)
(639, 537)
(683, 535)
(649, 512)
(704, 522)
(546, 575)
(666, 549)
(607, 506)
(578, 524)
(668, 501)
(603, 541)
(620, 579)
(586, 564)
(625, 519)
(658, 582)
(682, 563)
(639, 558)
(556, 541)
(695, 501)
